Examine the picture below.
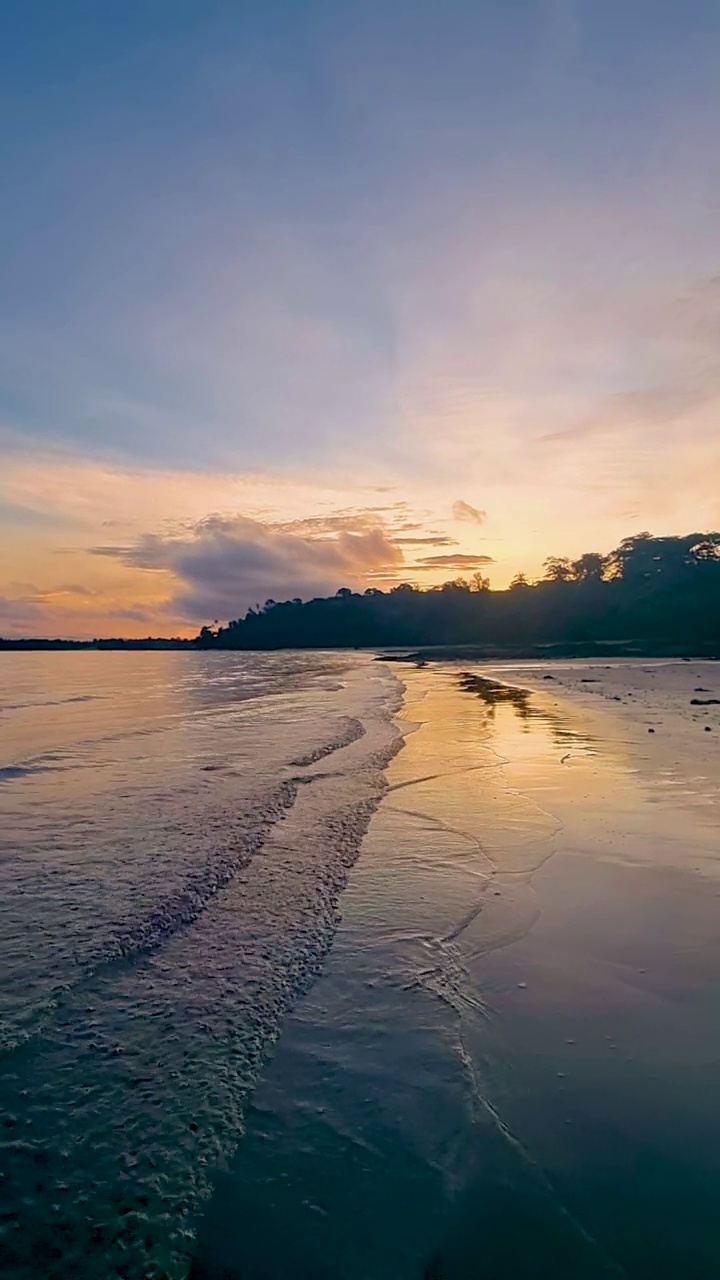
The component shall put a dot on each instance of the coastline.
(493, 1067)
(707, 651)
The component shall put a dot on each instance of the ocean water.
(176, 831)
(280, 1001)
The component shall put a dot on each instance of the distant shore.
(41, 643)
(424, 653)
(564, 651)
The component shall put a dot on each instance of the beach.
(508, 1066)
(318, 967)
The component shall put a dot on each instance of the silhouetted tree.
(590, 567)
(648, 591)
(558, 569)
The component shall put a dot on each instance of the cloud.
(65, 590)
(653, 447)
(69, 611)
(432, 540)
(134, 615)
(464, 511)
(19, 615)
(676, 340)
(454, 561)
(651, 407)
(20, 516)
(30, 594)
(223, 566)
(347, 520)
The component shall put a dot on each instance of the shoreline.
(493, 1045)
(609, 649)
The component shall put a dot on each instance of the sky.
(308, 294)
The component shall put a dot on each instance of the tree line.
(648, 591)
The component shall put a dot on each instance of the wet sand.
(508, 1068)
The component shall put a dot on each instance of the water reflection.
(493, 693)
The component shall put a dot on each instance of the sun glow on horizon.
(401, 293)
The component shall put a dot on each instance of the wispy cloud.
(357, 519)
(456, 561)
(22, 517)
(68, 611)
(464, 511)
(432, 540)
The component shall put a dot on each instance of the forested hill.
(654, 592)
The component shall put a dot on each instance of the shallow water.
(176, 830)
(508, 1068)
(503, 1068)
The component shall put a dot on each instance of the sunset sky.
(348, 292)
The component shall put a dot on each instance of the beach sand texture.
(509, 1067)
